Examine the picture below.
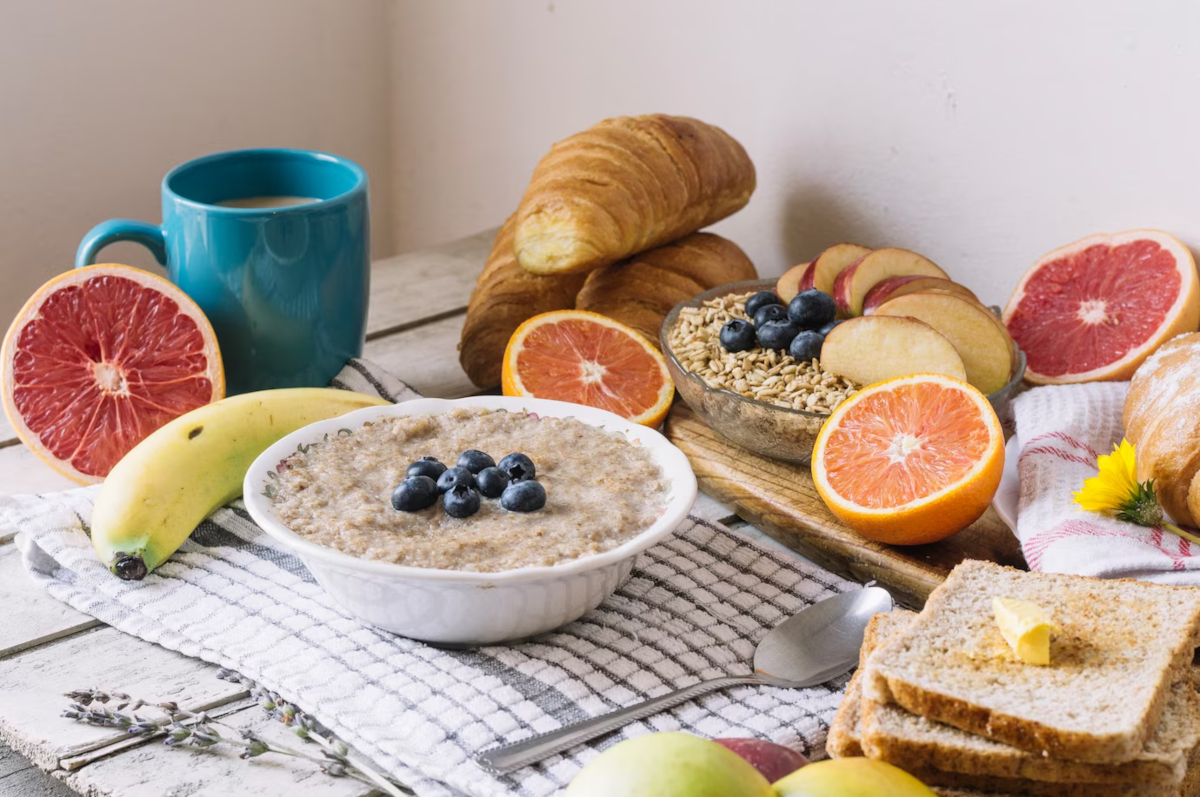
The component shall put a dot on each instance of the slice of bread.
(845, 732)
(914, 743)
(894, 735)
(1121, 645)
(956, 785)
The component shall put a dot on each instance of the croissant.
(505, 295)
(627, 185)
(641, 291)
(1162, 420)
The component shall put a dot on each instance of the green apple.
(851, 777)
(668, 765)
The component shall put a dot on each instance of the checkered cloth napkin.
(1061, 430)
(694, 608)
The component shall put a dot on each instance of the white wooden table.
(418, 302)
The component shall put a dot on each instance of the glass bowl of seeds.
(760, 399)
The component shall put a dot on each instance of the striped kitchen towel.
(1061, 430)
(694, 608)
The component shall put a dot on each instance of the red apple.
(892, 287)
(774, 761)
(877, 347)
(831, 262)
(852, 284)
(794, 280)
(978, 336)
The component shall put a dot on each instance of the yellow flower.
(1116, 485)
(1116, 491)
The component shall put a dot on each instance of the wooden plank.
(152, 769)
(425, 358)
(425, 284)
(32, 782)
(32, 617)
(23, 472)
(780, 499)
(32, 688)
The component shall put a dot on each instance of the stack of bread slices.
(1116, 712)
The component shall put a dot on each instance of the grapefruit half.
(910, 460)
(586, 358)
(1096, 309)
(99, 358)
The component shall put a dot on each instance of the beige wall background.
(979, 134)
(99, 99)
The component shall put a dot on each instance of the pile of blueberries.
(475, 476)
(799, 329)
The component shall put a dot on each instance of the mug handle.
(108, 232)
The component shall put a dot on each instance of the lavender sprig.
(199, 730)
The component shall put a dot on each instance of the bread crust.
(641, 291)
(886, 680)
(1161, 420)
(505, 296)
(626, 185)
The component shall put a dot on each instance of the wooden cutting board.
(780, 499)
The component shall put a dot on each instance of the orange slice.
(585, 358)
(99, 358)
(910, 460)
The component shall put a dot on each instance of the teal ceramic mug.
(274, 245)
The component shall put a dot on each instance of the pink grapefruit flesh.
(99, 358)
(1096, 309)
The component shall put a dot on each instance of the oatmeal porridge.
(601, 491)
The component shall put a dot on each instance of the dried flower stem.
(200, 730)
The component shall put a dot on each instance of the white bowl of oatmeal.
(613, 489)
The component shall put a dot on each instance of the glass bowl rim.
(1018, 372)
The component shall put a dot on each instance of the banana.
(182, 472)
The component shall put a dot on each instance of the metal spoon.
(810, 647)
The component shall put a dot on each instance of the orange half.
(586, 358)
(910, 460)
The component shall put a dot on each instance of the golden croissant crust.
(640, 291)
(506, 295)
(627, 185)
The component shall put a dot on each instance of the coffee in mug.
(267, 202)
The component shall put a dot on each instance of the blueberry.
(415, 492)
(811, 309)
(807, 346)
(454, 477)
(768, 313)
(823, 331)
(461, 501)
(426, 466)
(518, 466)
(760, 300)
(526, 496)
(492, 482)
(737, 335)
(475, 460)
(777, 335)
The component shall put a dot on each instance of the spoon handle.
(508, 757)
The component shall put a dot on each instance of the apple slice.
(851, 286)
(878, 347)
(793, 281)
(831, 262)
(892, 287)
(970, 326)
